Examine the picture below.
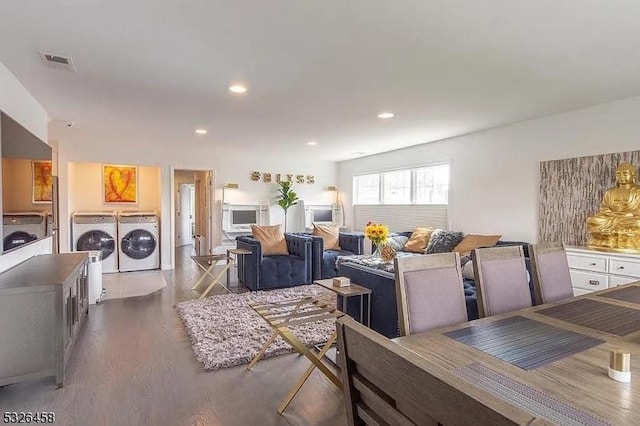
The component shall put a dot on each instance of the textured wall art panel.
(571, 189)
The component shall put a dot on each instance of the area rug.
(225, 331)
(132, 284)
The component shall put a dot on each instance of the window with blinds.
(419, 185)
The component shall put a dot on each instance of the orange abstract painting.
(120, 184)
(42, 182)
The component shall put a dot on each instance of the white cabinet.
(593, 270)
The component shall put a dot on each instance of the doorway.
(193, 212)
(185, 214)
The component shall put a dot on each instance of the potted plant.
(286, 198)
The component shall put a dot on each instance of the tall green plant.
(286, 198)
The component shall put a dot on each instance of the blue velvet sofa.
(384, 310)
(258, 272)
(323, 263)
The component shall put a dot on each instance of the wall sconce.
(228, 186)
(334, 189)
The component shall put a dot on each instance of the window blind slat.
(401, 217)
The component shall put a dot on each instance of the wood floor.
(133, 365)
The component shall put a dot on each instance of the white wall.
(228, 169)
(495, 172)
(17, 103)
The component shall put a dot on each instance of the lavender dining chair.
(550, 270)
(429, 292)
(502, 284)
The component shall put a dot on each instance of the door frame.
(212, 210)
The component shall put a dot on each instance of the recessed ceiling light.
(312, 143)
(386, 115)
(201, 131)
(237, 88)
(359, 153)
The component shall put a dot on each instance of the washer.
(22, 227)
(139, 241)
(97, 231)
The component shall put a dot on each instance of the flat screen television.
(244, 217)
(324, 215)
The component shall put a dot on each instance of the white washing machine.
(139, 241)
(22, 227)
(97, 231)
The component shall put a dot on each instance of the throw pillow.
(397, 242)
(271, 238)
(443, 241)
(470, 242)
(330, 235)
(419, 240)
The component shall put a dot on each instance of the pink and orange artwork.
(120, 184)
(42, 182)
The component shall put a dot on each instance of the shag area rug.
(225, 331)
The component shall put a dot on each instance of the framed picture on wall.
(120, 184)
(42, 182)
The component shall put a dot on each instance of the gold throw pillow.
(419, 240)
(330, 235)
(470, 242)
(271, 238)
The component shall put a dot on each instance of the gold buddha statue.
(616, 227)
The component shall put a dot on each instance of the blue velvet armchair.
(323, 264)
(260, 272)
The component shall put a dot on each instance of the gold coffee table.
(280, 316)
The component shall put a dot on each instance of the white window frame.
(413, 184)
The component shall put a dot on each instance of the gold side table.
(207, 263)
(280, 316)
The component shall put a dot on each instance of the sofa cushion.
(271, 238)
(419, 240)
(329, 234)
(397, 242)
(443, 241)
(471, 241)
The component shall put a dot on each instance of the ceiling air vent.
(57, 61)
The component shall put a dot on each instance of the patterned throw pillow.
(397, 242)
(443, 241)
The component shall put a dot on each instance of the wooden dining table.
(564, 375)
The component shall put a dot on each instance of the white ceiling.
(317, 70)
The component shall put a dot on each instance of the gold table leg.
(216, 280)
(261, 352)
(207, 271)
(316, 361)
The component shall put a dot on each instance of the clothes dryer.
(21, 228)
(139, 241)
(97, 231)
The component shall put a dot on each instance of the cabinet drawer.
(589, 280)
(624, 267)
(580, 291)
(590, 263)
(615, 280)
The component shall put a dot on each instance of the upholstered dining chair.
(502, 284)
(550, 270)
(429, 292)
